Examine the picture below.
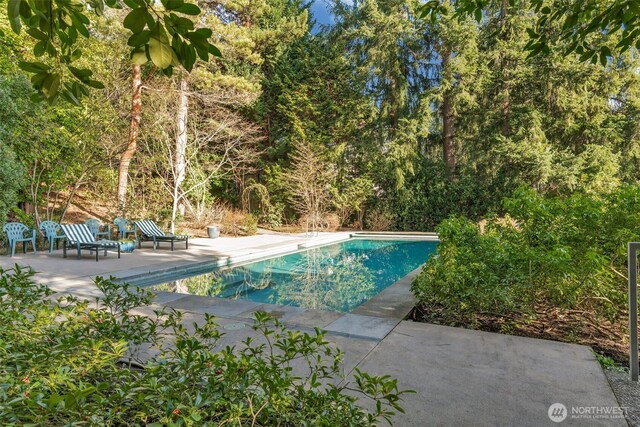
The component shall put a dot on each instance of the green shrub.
(562, 252)
(69, 362)
(250, 224)
(430, 196)
(273, 215)
(12, 178)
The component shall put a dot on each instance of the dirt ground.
(608, 339)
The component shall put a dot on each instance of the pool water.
(337, 277)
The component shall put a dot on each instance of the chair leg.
(186, 243)
(118, 251)
(98, 252)
(24, 246)
(13, 248)
(64, 251)
(33, 243)
(51, 245)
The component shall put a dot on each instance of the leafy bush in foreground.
(68, 362)
(568, 253)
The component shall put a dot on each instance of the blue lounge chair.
(52, 233)
(124, 227)
(80, 237)
(97, 228)
(18, 232)
(150, 231)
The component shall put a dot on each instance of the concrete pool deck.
(461, 377)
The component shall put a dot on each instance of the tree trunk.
(448, 119)
(134, 134)
(179, 162)
(72, 194)
(505, 128)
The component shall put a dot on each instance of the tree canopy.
(584, 24)
(163, 34)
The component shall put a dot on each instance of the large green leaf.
(13, 10)
(215, 51)
(204, 32)
(182, 25)
(39, 48)
(172, 4)
(139, 56)
(189, 9)
(95, 84)
(188, 56)
(139, 39)
(37, 34)
(203, 53)
(69, 96)
(136, 20)
(81, 74)
(133, 3)
(79, 25)
(160, 52)
(51, 85)
(33, 67)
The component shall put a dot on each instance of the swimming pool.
(337, 277)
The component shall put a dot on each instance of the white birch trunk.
(180, 163)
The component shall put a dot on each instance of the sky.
(321, 13)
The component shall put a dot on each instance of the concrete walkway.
(473, 378)
(461, 377)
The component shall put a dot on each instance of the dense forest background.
(397, 121)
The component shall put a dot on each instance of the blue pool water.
(337, 277)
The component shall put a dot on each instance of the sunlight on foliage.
(115, 362)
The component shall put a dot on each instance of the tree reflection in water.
(322, 281)
(334, 278)
(208, 284)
